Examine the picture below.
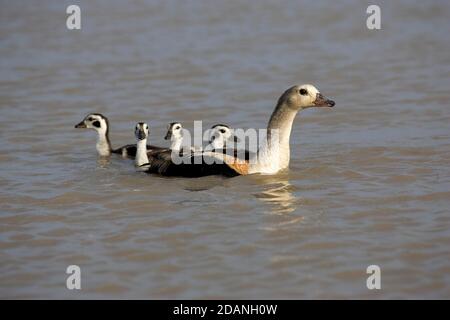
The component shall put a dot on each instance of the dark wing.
(151, 148)
(196, 165)
(129, 150)
(164, 154)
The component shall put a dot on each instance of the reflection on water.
(203, 184)
(103, 162)
(277, 192)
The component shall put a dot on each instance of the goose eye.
(90, 119)
(222, 130)
(303, 92)
(177, 128)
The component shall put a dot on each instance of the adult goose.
(100, 123)
(272, 156)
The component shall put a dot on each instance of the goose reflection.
(103, 162)
(204, 184)
(277, 192)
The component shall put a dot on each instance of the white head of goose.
(141, 132)
(220, 135)
(272, 156)
(175, 135)
(100, 123)
(224, 140)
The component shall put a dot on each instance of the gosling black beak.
(321, 101)
(141, 135)
(81, 125)
(168, 135)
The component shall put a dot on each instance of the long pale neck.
(103, 145)
(176, 143)
(141, 153)
(279, 133)
(274, 154)
(218, 143)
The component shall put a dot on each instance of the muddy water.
(369, 181)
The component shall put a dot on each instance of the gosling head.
(174, 131)
(141, 131)
(304, 96)
(99, 123)
(95, 121)
(220, 134)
